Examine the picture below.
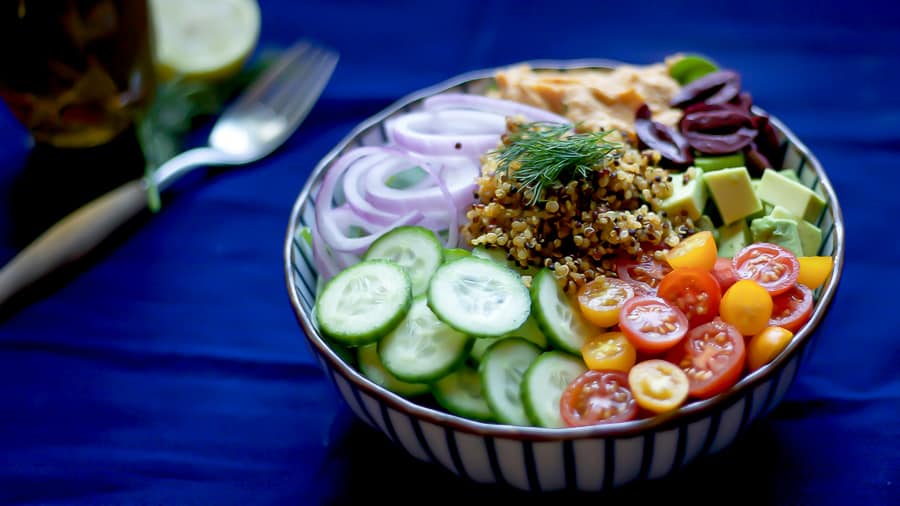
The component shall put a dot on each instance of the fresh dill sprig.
(538, 155)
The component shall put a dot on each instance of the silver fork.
(254, 126)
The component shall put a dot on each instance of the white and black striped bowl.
(538, 459)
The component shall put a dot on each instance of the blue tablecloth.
(168, 367)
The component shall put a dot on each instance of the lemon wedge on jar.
(204, 39)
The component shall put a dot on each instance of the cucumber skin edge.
(499, 416)
(376, 334)
(545, 327)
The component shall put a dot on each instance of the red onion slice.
(447, 133)
(495, 105)
(327, 227)
(458, 175)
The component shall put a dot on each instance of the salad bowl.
(589, 458)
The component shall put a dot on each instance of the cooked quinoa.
(578, 228)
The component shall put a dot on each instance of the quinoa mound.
(579, 228)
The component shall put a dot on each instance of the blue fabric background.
(168, 368)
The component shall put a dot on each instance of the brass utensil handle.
(72, 237)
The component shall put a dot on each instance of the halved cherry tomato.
(601, 299)
(712, 355)
(658, 386)
(814, 270)
(596, 397)
(766, 345)
(644, 269)
(608, 351)
(724, 273)
(697, 250)
(747, 306)
(694, 291)
(773, 267)
(652, 324)
(792, 308)
(642, 288)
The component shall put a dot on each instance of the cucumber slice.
(544, 383)
(500, 256)
(479, 297)
(416, 249)
(451, 254)
(460, 393)
(554, 313)
(363, 302)
(371, 367)
(502, 371)
(529, 330)
(423, 349)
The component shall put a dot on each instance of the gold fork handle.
(72, 237)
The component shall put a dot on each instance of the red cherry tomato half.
(597, 397)
(652, 324)
(773, 267)
(712, 356)
(644, 269)
(792, 309)
(694, 291)
(725, 273)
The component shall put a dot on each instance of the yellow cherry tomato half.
(658, 386)
(601, 300)
(766, 345)
(747, 306)
(814, 271)
(697, 250)
(609, 351)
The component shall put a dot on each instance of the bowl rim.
(690, 412)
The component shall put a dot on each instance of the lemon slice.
(204, 39)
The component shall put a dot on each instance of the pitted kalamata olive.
(717, 128)
(767, 141)
(743, 100)
(715, 88)
(665, 139)
(757, 162)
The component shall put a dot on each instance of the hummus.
(599, 99)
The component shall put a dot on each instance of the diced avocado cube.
(790, 174)
(810, 235)
(779, 190)
(732, 238)
(711, 163)
(733, 194)
(687, 197)
(780, 231)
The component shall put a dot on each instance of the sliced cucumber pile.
(544, 383)
(557, 317)
(416, 249)
(479, 297)
(462, 327)
(423, 348)
(363, 303)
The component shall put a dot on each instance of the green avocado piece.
(790, 174)
(733, 193)
(732, 238)
(780, 231)
(810, 235)
(687, 197)
(711, 163)
(779, 190)
(706, 223)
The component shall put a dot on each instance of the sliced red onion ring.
(328, 264)
(496, 105)
(353, 192)
(458, 175)
(447, 133)
(327, 227)
(453, 226)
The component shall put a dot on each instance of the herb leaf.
(538, 155)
